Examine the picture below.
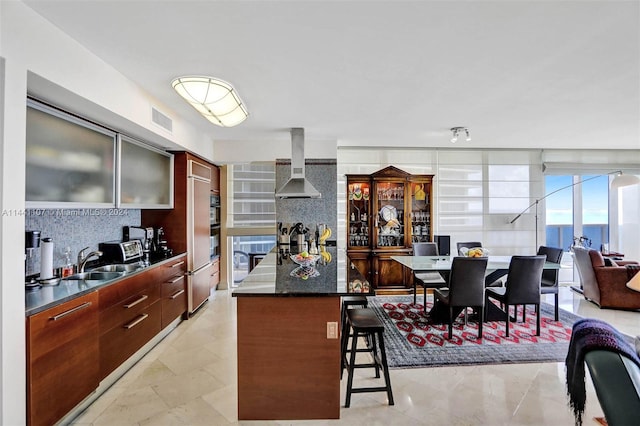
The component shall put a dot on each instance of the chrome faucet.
(82, 259)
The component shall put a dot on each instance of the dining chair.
(549, 283)
(522, 288)
(426, 279)
(465, 289)
(492, 279)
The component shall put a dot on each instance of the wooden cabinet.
(215, 273)
(215, 180)
(129, 317)
(62, 358)
(361, 259)
(188, 225)
(387, 211)
(200, 283)
(173, 284)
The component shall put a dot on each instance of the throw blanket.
(590, 334)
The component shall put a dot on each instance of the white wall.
(37, 58)
(229, 152)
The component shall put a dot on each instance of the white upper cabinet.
(145, 178)
(69, 161)
(74, 163)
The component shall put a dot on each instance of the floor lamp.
(619, 181)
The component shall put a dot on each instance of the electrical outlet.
(332, 330)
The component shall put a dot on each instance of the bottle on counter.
(67, 269)
(313, 248)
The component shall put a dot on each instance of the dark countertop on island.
(51, 295)
(272, 277)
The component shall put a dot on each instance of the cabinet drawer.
(215, 266)
(58, 326)
(172, 269)
(127, 310)
(119, 343)
(174, 300)
(127, 288)
(173, 285)
(215, 279)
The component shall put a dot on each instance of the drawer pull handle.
(177, 293)
(134, 303)
(177, 264)
(176, 279)
(70, 311)
(136, 321)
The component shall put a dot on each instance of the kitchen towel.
(46, 258)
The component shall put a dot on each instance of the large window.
(559, 212)
(253, 195)
(251, 216)
(577, 211)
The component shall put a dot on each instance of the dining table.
(497, 267)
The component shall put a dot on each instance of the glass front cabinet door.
(420, 227)
(358, 211)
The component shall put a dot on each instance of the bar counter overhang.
(289, 338)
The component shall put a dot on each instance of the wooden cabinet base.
(287, 367)
(62, 358)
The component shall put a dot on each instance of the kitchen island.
(289, 337)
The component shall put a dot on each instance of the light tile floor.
(189, 378)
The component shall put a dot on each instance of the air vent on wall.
(161, 120)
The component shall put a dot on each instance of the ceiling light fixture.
(456, 132)
(215, 99)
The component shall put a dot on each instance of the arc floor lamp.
(618, 182)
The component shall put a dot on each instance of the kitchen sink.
(95, 276)
(119, 267)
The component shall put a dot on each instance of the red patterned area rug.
(411, 340)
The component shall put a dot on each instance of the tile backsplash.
(76, 229)
(323, 175)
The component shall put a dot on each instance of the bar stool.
(347, 303)
(364, 322)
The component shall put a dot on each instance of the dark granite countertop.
(272, 277)
(49, 296)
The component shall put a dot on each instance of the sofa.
(606, 285)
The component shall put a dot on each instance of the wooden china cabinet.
(387, 211)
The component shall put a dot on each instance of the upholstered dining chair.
(522, 287)
(426, 279)
(491, 280)
(549, 283)
(465, 289)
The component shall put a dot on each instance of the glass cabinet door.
(420, 214)
(358, 210)
(145, 176)
(69, 162)
(389, 221)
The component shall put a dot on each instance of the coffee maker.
(32, 242)
(159, 246)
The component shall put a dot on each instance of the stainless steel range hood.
(298, 186)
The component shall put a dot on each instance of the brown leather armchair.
(605, 285)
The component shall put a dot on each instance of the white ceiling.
(529, 74)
